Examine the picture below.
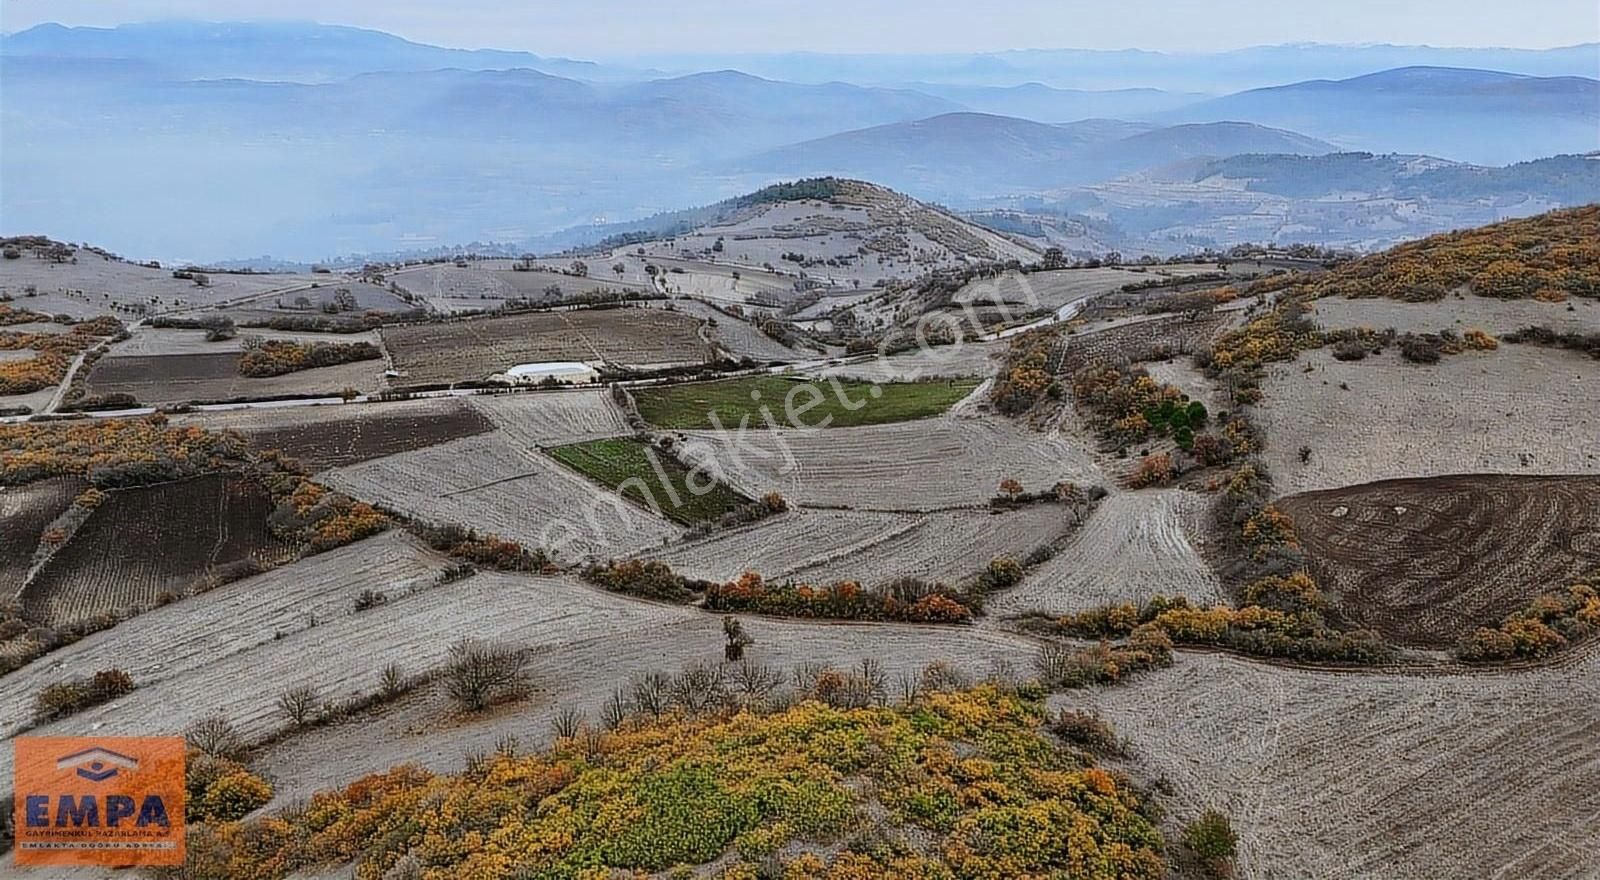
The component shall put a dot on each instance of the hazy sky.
(602, 28)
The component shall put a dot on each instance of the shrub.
(645, 579)
(1153, 470)
(1088, 732)
(369, 599)
(1212, 838)
(276, 357)
(216, 737)
(1001, 573)
(1421, 349)
(298, 704)
(235, 796)
(1350, 350)
(68, 697)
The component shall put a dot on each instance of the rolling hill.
(1480, 116)
(964, 155)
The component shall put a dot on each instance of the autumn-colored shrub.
(1551, 623)
(67, 697)
(115, 452)
(645, 579)
(843, 600)
(1212, 838)
(276, 357)
(1153, 470)
(968, 772)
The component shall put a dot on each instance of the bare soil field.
(98, 283)
(737, 337)
(25, 511)
(1497, 316)
(1135, 546)
(323, 437)
(1426, 561)
(474, 349)
(943, 361)
(551, 418)
(1370, 775)
(146, 341)
(1518, 410)
(485, 284)
(1136, 339)
(823, 546)
(177, 378)
(140, 543)
(1051, 290)
(929, 464)
(496, 485)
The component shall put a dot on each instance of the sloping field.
(322, 437)
(650, 478)
(822, 546)
(555, 417)
(142, 542)
(1374, 776)
(1426, 561)
(99, 281)
(934, 463)
(1049, 290)
(1497, 316)
(177, 378)
(763, 401)
(493, 484)
(173, 642)
(476, 348)
(738, 338)
(981, 359)
(25, 511)
(149, 341)
(1136, 545)
(1518, 410)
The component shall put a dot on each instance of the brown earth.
(25, 512)
(178, 378)
(1424, 561)
(142, 542)
(475, 349)
(352, 439)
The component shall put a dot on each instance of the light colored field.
(577, 666)
(17, 354)
(1518, 410)
(169, 340)
(965, 359)
(551, 418)
(738, 338)
(1497, 316)
(96, 282)
(1136, 545)
(1049, 290)
(822, 546)
(1375, 776)
(494, 484)
(928, 464)
(36, 401)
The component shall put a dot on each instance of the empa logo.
(110, 802)
(97, 764)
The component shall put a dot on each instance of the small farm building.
(562, 372)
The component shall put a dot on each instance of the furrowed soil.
(476, 348)
(912, 466)
(498, 486)
(25, 512)
(323, 437)
(140, 543)
(1426, 561)
(1134, 546)
(178, 378)
(555, 417)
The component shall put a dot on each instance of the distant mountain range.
(965, 155)
(150, 138)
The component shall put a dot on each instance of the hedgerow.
(1551, 623)
(843, 600)
(275, 357)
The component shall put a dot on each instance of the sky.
(618, 28)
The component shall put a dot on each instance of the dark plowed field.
(25, 511)
(339, 442)
(142, 542)
(1425, 560)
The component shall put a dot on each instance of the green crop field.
(625, 465)
(769, 401)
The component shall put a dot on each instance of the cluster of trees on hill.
(275, 357)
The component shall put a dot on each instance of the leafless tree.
(479, 673)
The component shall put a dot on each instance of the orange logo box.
(113, 801)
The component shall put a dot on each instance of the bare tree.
(478, 673)
(216, 736)
(297, 703)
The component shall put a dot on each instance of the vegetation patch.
(277, 357)
(968, 775)
(53, 354)
(654, 480)
(114, 452)
(778, 402)
(1553, 622)
(907, 600)
(1588, 343)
